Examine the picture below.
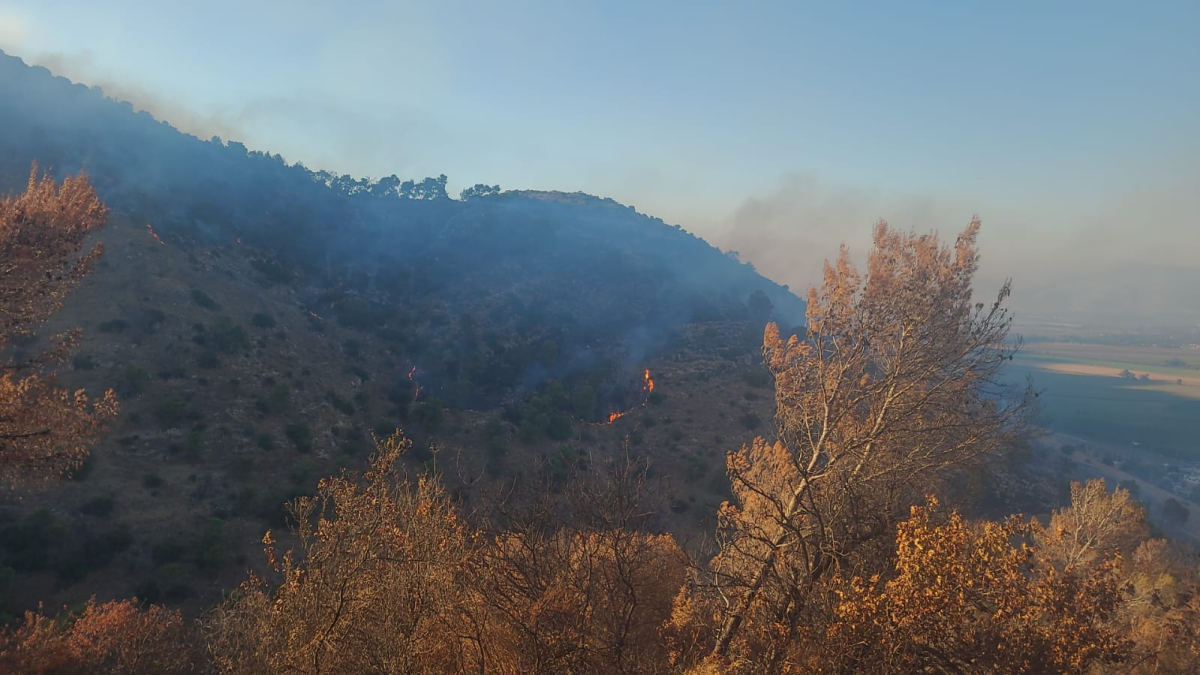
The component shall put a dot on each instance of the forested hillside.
(260, 419)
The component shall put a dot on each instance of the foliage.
(114, 637)
(370, 590)
(44, 430)
(893, 385)
(300, 435)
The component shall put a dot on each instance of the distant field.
(1175, 362)
(1083, 395)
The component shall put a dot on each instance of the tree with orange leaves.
(975, 599)
(114, 637)
(893, 386)
(44, 430)
(374, 588)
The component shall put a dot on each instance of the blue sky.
(765, 126)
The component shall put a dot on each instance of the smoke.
(14, 30)
(80, 68)
(1126, 257)
(791, 230)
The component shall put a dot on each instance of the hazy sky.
(776, 129)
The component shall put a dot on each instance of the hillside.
(260, 322)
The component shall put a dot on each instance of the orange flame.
(315, 315)
(154, 234)
(647, 389)
(411, 373)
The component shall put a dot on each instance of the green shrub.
(83, 362)
(300, 435)
(209, 546)
(262, 320)
(204, 300)
(208, 360)
(428, 414)
(113, 326)
(340, 404)
(280, 396)
(559, 427)
(152, 481)
(170, 410)
(136, 378)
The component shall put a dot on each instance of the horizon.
(1037, 123)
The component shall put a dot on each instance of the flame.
(647, 389)
(239, 241)
(417, 391)
(315, 315)
(154, 234)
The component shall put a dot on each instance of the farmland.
(1155, 405)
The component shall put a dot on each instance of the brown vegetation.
(44, 430)
(830, 557)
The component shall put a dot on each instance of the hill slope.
(260, 321)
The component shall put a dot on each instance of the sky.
(777, 129)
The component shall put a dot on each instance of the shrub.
(280, 396)
(262, 320)
(209, 546)
(340, 404)
(300, 435)
(428, 414)
(170, 410)
(208, 360)
(559, 427)
(229, 337)
(83, 362)
(152, 481)
(136, 378)
(204, 300)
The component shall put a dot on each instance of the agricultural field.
(1148, 396)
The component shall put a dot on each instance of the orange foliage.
(975, 599)
(891, 387)
(44, 430)
(374, 588)
(576, 602)
(114, 637)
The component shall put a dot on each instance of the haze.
(776, 130)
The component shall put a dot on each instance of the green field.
(1160, 415)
